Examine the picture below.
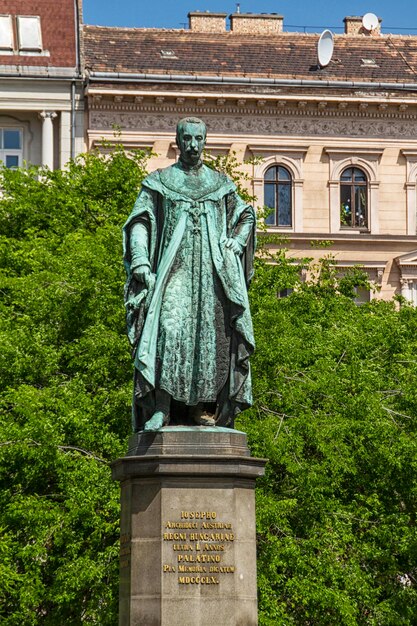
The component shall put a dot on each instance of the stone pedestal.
(188, 552)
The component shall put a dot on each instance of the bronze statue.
(188, 251)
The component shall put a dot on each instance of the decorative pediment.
(409, 259)
(407, 264)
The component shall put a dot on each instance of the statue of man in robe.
(188, 251)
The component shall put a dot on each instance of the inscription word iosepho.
(199, 548)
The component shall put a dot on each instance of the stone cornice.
(358, 237)
(336, 151)
(409, 154)
(272, 147)
(238, 104)
(376, 97)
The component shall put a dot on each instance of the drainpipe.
(73, 113)
(77, 73)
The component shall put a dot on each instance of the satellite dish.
(325, 48)
(370, 21)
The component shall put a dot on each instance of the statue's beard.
(191, 160)
(192, 157)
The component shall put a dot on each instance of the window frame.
(353, 185)
(366, 160)
(5, 152)
(276, 183)
(291, 158)
(412, 290)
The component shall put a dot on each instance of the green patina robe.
(192, 334)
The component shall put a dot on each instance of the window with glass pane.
(362, 295)
(11, 147)
(353, 198)
(278, 196)
(413, 292)
(12, 160)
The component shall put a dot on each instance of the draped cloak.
(191, 333)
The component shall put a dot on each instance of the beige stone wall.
(393, 198)
(315, 154)
(348, 247)
(392, 177)
(391, 208)
(316, 191)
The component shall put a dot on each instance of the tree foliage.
(65, 372)
(335, 413)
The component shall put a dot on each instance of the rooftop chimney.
(256, 23)
(353, 26)
(207, 22)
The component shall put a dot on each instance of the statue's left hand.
(234, 245)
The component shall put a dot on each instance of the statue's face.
(191, 142)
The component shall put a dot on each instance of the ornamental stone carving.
(247, 124)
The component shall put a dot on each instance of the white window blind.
(6, 32)
(29, 33)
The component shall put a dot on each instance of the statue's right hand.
(142, 273)
(150, 280)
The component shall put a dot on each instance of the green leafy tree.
(335, 413)
(65, 387)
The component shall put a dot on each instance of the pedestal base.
(188, 553)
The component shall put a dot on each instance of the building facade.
(332, 151)
(41, 84)
(335, 146)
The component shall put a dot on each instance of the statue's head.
(191, 139)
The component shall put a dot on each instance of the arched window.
(353, 198)
(278, 196)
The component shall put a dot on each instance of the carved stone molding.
(231, 105)
(43, 115)
(312, 125)
(411, 160)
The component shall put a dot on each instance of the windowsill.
(359, 231)
(24, 53)
(284, 229)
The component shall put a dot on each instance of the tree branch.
(31, 442)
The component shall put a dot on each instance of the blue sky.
(397, 15)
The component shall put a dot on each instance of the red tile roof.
(286, 55)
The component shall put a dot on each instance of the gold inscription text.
(198, 514)
(198, 580)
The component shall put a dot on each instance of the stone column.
(65, 138)
(405, 290)
(334, 188)
(188, 550)
(47, 118)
